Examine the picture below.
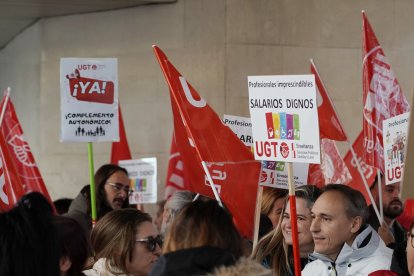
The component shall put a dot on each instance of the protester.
(174, 204)
(272, 203)
(62, 205)
(28, 239)
(403, 255)
(158, 216)
(390, 231)
(73, 244)
(344, 243)
(202, 237)
(125, 242)
(275, 249)
(112, 191)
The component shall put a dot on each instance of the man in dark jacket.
(390, 231)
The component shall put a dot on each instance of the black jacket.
(399, 260)
(193, 261)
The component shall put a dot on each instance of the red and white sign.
(395, 144)
(284, 114)
(89, 100)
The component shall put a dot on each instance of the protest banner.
(284, 115)
(143, 175)
(89, 100)
(120, 150)
(215, 160)
(395, 141)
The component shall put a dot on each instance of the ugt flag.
(120, 150)
(201, 136)
(11, 189)
(329, 125)
(176, 179)
(20, 152)
(383, 97)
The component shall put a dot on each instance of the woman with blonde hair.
(272, 204)
(125, 242)
(275, 249)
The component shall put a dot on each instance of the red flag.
(201, 136)
(20, 152)
(383, 97)
(11, 189)
(329, 124)
(332, 168)
(176, 180)
(120, 150)
(368, 171)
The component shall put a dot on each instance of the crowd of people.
(338, 234)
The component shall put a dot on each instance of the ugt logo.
(22, 150)
(90, 90)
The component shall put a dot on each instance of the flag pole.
(293, 220)
(380, 195)
(3, 109)
(92, 183)
(257, 216)
(364, 180)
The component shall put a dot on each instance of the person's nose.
(157, 250)
(315, 226)
(123, 193)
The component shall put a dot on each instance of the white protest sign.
(143, 175)
(395, 134)
(241, 126)
(274, 174)
(284, 115)
(89, 99)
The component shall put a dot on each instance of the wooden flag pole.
(293, 220)
(257, 216)
(380, 195)
(92, 183)
(3, 110)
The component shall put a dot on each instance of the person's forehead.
(330, 202)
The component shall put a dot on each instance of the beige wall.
(215, 44)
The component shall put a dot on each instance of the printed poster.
(284, 118)
(89, 100)
(395, 134)
(274, 174)
(143, 175)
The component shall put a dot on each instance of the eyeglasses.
(152, 242)
(118, 187)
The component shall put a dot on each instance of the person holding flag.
(112, 192)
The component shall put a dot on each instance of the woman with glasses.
(125, 242)
(112, 192)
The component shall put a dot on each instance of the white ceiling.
(17, 15)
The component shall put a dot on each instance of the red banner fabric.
(201, 136)
(120, 150)
(382, 96)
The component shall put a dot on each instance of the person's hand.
(385, 233)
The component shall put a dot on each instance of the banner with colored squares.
(282, 126)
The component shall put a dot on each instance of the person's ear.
(356, 224)
(65, 263)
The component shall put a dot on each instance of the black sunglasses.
(152, 242)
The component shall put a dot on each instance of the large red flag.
(120, 150)
(20, 152)
(176, 179)
(383, 97)
(332, 168)
(201, 136)
(329, 125)
(368, 171)
(11, 189)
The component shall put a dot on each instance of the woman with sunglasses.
(125, 242)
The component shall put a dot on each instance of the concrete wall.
(215, 44)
